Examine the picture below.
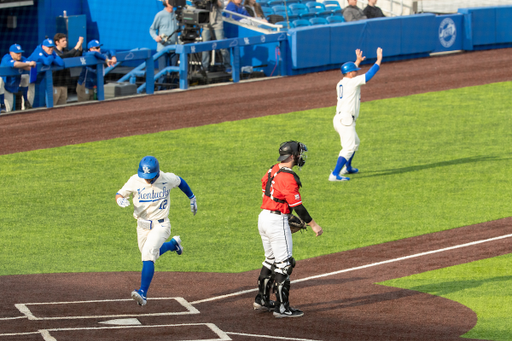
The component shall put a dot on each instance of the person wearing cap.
(88, 78)
(12, 84)
(348, 92)
(45, 54)
(280, 188)
(62, 78)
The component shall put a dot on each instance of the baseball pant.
(150, 241)
(9, 96)
(348, 136)
(60, 95)
(276, 238)
(83, 93)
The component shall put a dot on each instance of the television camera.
(191, 18)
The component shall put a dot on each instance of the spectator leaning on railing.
(372, 11)
(44, 54)
(88, 77)
(62, 78)
(236, 6)
(352, 12)
(12, 84)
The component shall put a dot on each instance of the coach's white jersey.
(349, 96)
(150, 201)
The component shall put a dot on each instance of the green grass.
(428, 163)
(483, 286)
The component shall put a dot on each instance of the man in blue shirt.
(88, 78)
(12, 84)
(164, 32)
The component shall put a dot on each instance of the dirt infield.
(336, 292)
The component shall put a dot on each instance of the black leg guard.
(282, 291)
(265, 283)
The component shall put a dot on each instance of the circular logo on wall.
(447, 32)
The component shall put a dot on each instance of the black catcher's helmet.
(293, 148)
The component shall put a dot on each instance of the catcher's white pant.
(150, 241)
(9, 97)
(277, 239)
(349, 140)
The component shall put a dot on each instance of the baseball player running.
(347, 112)
(281, 195)
(150, 188)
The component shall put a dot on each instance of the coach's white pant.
(276, 237)
(150, 241)
(348, 136)
(9, 97)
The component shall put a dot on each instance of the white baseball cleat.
(139, 297)
(350, 170)
(333, 177)
(176, 240)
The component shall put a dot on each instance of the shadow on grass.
(473, 159)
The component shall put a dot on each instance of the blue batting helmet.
(349, 67)
(148, 167)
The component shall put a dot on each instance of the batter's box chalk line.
(24, 309)
(47, 336)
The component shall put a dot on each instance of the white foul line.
(364, 266)
(270, 337)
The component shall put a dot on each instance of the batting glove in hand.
(193, 205)
(123, 202)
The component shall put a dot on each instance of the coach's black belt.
(275, 212)
(161, 220)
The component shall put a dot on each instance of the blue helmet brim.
(147, 175)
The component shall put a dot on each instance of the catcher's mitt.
(296, 224)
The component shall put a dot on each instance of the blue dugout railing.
(45, 79)
(232, 44)
(146, 68)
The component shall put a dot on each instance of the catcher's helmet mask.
(296, 148)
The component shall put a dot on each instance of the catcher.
(280, 196)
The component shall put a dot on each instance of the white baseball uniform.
(151, 209)
(347, 111)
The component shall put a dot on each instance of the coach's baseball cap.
(16, 48)
(94, 43)
(48, 43)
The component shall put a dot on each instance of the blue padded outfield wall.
(125, 26)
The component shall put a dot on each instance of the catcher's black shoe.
(283, 311)
(262, 304)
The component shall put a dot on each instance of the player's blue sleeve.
(57, 60)
(373, 70)
(185, 188)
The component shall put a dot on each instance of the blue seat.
(267, 11)
(283, 10)
(335, 19)
(318, 8)
(318, 21)
(332, 6)
(284, 24)
(272, 3)
(301, 23)
(301, 10)
(262, 2)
